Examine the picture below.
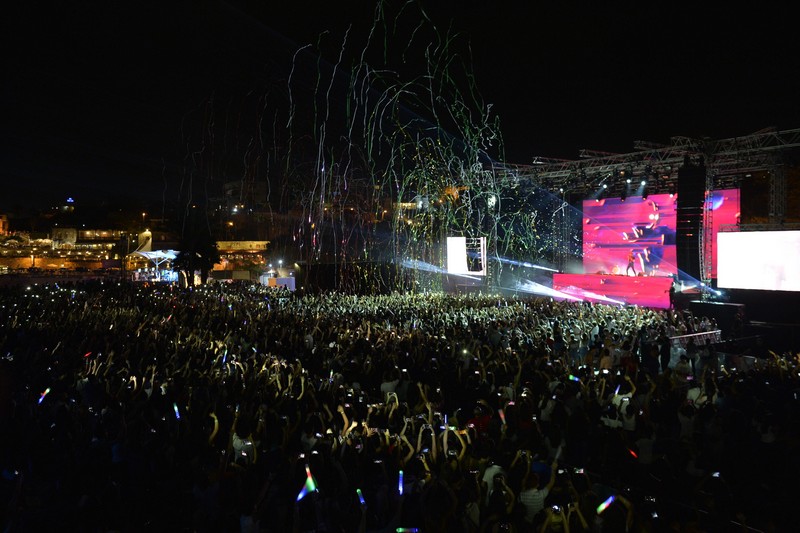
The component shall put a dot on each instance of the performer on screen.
(631, 263)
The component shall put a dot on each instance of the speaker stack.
(691, 196)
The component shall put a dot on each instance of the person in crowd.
(234, 407)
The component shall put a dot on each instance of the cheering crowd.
(235, 407)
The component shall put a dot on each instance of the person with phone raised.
(531, 496)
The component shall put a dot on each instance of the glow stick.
(616, 391)
(177, 413)
(407, 530)
(360, 497)
(309, 486)
(45, 393)
(502, 416)
(603, 506)
(574, 378)
(87, 354)
(400, 483)
(633, 453)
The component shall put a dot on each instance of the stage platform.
(613, 289)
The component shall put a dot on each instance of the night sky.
(106, 100)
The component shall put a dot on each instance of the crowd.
(235, 407)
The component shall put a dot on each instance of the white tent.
(158, 257)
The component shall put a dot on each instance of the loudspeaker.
(689, 213)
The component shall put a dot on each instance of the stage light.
(644, 182)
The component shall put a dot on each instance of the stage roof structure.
(159, 257)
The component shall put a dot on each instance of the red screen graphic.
(725, 210)
(631, 237)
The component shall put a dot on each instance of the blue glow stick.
(360, 497)
(309, 486)
(45, 393)
(603, 506)
(177, 413)
(574, 378)
(400, 483)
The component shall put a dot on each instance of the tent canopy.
(159, 256)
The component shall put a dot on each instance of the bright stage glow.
(589, 295)
(415, 264)
(531, 287)
(525, 264)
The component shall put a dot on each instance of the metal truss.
(724, 158)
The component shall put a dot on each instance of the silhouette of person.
(631, 263)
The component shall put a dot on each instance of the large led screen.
(759, 260)
(466, 256)
(725, 211)
(630, 237)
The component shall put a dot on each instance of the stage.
(645, 291)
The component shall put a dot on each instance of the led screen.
(466, 256)
(759, 260)
(725, 210)
(644, 291)
(636, 231)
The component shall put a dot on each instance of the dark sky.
(106, 99)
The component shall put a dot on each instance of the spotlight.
(644, 182)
